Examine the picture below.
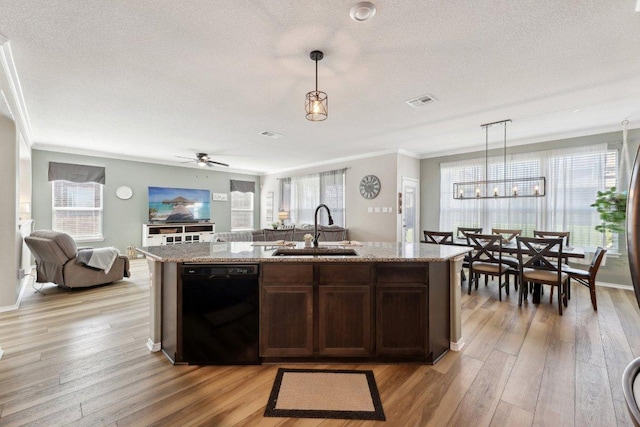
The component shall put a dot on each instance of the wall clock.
(369, 187)
(123, 192)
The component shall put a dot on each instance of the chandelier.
(499, 188)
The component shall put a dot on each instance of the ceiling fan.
(202, 160)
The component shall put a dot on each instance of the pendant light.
(504, 188)
(316, 104)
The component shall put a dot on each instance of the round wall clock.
(123, 192)
(369, 187)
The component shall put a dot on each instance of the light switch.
(377, 209)
(390, 209)
(370, 209)
(385, 209)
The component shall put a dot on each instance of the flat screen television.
(179, 205)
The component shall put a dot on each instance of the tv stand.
(175, 233)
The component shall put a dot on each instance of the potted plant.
(275, 225)
(612, 207)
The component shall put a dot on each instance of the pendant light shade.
(316, 104)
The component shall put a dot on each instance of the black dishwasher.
(220, 314)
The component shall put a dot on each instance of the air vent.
(271, 135)
(421, 101)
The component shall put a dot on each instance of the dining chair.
(541, 264)
(438, 237)
(545, 234)
(483, 260)
(507, 234)
(462, 231)
(588, 277)
(565, 235)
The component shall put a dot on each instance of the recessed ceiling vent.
(271, 135)
(421, 101)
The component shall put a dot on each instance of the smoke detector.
(421, 101)
(363, 11)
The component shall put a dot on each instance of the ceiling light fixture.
(316, 104)
(363, 11)
(499, 188)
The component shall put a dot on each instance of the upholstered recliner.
(56, 262)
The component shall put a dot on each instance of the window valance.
(243, 186)
(76, 173)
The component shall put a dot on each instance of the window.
(77, 209)
(301, 195)
(573, 177)
(242, 200)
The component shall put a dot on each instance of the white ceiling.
(154, 79)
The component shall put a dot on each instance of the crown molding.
(15, 98)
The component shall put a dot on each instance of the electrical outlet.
(21, 273)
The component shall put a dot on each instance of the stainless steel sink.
(314, 251)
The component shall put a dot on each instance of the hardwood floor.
(79, 358)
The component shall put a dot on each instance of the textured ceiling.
(155, 79)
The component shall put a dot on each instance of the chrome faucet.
(315, 223)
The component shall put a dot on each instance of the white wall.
(10, 245)
(362, 225)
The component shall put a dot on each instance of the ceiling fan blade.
(190, 158)
(217, 163)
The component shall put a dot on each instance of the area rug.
(325, 393)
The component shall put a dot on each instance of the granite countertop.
(246, 252)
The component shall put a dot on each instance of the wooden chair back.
(540, 254)
(507, 234)
(545, 234)
(438, 237)
(462, 231)
(598, 256)
(486, 247)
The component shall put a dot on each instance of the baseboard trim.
(614, 285)
(16, 306)
(153, 346)
(456, 346)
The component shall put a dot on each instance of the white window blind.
(573, 177)
(241, 210)
(301, 195)
(77, 209)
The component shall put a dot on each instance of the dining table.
(511, 247)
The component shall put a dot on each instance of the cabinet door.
(344, 320)
(286, 320)
(401, 319)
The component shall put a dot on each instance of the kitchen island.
(385, 302)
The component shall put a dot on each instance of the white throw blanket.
(101, 258)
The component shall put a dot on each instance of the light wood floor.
(79, 358)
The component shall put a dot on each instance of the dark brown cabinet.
(286, 310)
(344, 310)
(286, 326)
(401, 309)
(374, 311)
